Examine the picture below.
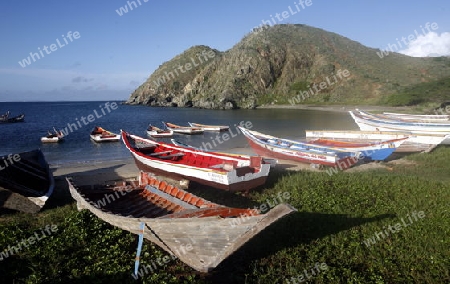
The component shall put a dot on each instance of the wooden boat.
(26, 181)
(220, 170)
(209, 127)
(183, 129)
(424, 117)
(375, 151)
(414, 143)
(55, 137)
(156, 132)
(370, 122)
(175, 219)
(270, 146)
(4, 118)
(271, 162)
(99, 134)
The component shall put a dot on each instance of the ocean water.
(77, 147)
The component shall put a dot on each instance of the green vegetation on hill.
(271, 65)
(337, 215)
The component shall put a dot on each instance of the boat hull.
(201, 241)
(99, 139)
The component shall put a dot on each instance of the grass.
(336, 214)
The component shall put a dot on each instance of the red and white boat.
(99, 134)
(156, 132)
(183, 129)
(220, 170)
(210, 127)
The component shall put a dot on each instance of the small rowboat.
(26, 181)
(156, 132)
(99, 135)
(424, 117)
(209, 127)
(183, 129)
(371, 122)
(198, 232)
(220, 170)
(414, 143)
(4, 118)
(55, 137)
(270, 146)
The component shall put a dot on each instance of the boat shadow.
(61, 195)
(299, 228)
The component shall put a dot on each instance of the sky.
(57, 50)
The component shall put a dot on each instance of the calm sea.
(78, 148)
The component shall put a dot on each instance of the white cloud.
(432, 44)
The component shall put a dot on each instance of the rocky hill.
(285, 64)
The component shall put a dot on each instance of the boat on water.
(423, 117)
(183, 129)
(414, 143)
(5, 118)
(26, 181)
(209, 127)
(371, 122)
(99, 135)
(55, 137)
(156, 132)
(220, 170)
(174, 219)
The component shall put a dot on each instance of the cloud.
(81, 79)
(432, 44)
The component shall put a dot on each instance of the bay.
(41, 117)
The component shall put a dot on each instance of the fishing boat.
(198, 232)
(371, 122)
(26, 181)
(55, 137)
(220, 170)
(424, 117)
(270, 146)
(5, 118)
(99, 135)
(414, 143)
(271, 162)
(183, 129)
(209, 127)
(156, 132)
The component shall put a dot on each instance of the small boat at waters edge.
(220, 170)
(173, 218)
